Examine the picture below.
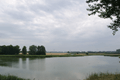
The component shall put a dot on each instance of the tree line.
(9, 50)
(15, 50)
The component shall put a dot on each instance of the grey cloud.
(61, 25)
(51, 6)
(19, 15)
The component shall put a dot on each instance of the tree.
(16, 49)
(10, 50)
(1, 50)
(24, 50)
(106, 9)
(43, 51)
(38, 50)
(118, 51)
(32, 50)
(68, 52)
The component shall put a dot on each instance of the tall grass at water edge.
(10, 77)
(103, 76)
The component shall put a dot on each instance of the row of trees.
(14, 50)
(118, 51)
(9, 50)
(34, 50)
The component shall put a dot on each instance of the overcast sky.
(59, 25)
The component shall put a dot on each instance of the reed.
(104, 76)
(10, 77)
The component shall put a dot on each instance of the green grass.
(10, 77)
(104, 76)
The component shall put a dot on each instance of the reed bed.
(10, 77)
(104, 76)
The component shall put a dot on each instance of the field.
(82, 54)
(56, 53)
(53, 53)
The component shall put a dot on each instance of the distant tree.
(5, 50)
(1, 50)
(43, 51)
(11, 50)
(38, 50)
(118, 51)
(17, 49)
(106, 9)
(68, 52)
(24, 50)
(32, 50)
(87, 53)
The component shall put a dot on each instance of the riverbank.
(95, 76)
(66, 55)
(10, 77)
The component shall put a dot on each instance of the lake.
(59, 68)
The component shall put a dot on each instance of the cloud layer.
(59, 25)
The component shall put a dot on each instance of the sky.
(59, 25)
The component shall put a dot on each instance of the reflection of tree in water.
(32, 64)
(9, 62)
(119, 61)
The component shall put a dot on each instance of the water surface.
(59, 68)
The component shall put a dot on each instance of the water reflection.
(34, 64)
(61, 68)
(37, 64)
(20, 63)
(27, 63)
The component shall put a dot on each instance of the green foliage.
(118, 51)
(9, 50)
(34, 50)
(68, 52)
(87, 53)
(43, 51)
(10, 77)
(24, 50)
(106, 9)
(17, 50)
(104, 76)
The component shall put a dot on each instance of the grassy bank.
(38, 56)
(10, 77)
(95, 76)
(55, 55)
(104, 76)
(43, 56)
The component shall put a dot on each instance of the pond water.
(59, 68)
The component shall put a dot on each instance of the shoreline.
(67, 55)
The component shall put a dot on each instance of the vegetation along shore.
(94, 76)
